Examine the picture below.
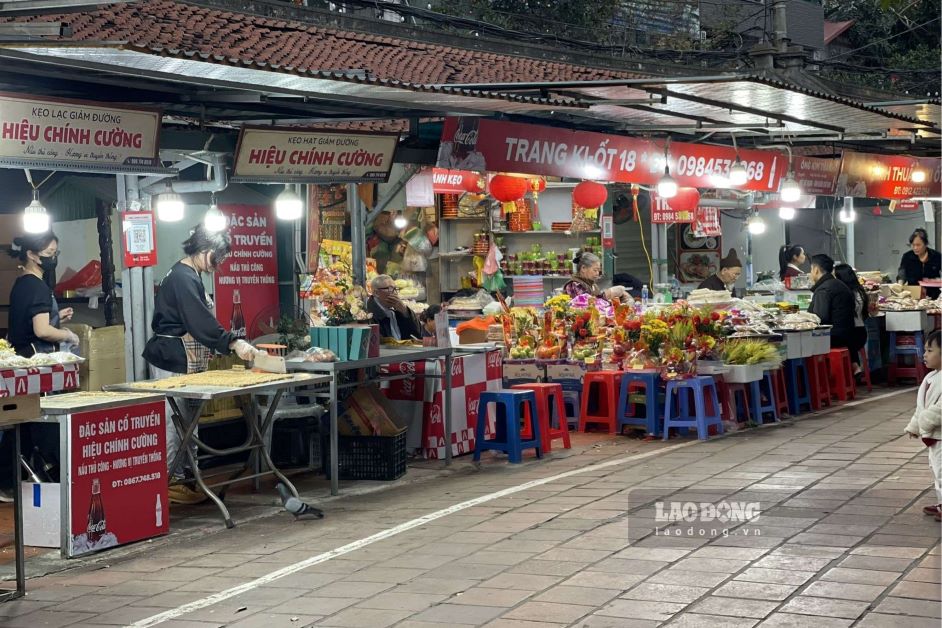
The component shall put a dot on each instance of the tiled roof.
(189, 29)
(832, 30)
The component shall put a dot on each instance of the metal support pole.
(357, 234)
(850, 242)
(126, 298)
(655, 256)
(663, 274)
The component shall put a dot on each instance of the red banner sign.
(452, 181)
(247, 283)
(140, 239)
(886, 176)
(118, 477)
(480, 144)
(706, 222)
(816, 176)
(681, 208)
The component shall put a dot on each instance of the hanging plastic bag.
(414, 262)
(492, 262)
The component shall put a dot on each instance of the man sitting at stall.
(393, 316)
(832, 301)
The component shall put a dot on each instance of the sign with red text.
(246, 290)
(816, 176)
(282, 155)
(453, 181)
(706, 222)
(481, 144)
(117, 477)
(680, 208)
(889, 176)
(68, 133)
(140, 238)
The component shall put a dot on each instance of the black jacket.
(409, 325)
(833, 302)
(713, 282)
(911, 270)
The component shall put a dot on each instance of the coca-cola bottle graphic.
(237, 322)
(96, 515)
(159, 513)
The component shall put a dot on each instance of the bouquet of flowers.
(346, 308)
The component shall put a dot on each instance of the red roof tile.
(246, 39)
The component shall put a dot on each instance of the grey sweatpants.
(173, 439)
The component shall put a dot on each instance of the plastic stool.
(841, 374)
(512, 407)
(722, 391)
(820, 381)
(572, 395)
(633, 381)
(739, 412)
(903, 344)
(757, 390)
(601, 387)
(697, 387)
(865, 368)
(781, 396)
(549, 401)
(796, 382)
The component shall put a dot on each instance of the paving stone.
(756, 590)
(588, 596)
(695, 620)
(844, 591)
(921, 574)
(688, 578)
(483, 596)
(797, 563)
(399, 601)
(520, 623)
(618, 565)
(732, 607)
(603, 580)
(606, 621)
(654, 592)
(274, 620)
(658, 611)
(776, 576)
(549, 612)
(548, 568)
(860, 576)
(823, 607)
(524, 582)
(879, 620)
(359, 617)
(788, 620)
(906, 606)
(734, 553)
(917, 590)
(446, 613)
(887, 551)
(446, 586)
(877, 563)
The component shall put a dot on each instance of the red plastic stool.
(842, 374)
(734, 391)
(602, 387)
(548, 396)
(722, 391)
(865, 368)
(780, 392)
(820, 380)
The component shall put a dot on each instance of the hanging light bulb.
(789, 191)
(170, 206)
(35, 217)
(288, 205)
(755, 224)
(667, 186)
(738, 175)
(214, 220)
(400, 222)
(786, 213)
(847, 215)
(918, 176)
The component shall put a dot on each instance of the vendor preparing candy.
(588, 271)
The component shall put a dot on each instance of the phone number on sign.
(701, 166)
(137, 479)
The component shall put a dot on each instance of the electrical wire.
(879, 41)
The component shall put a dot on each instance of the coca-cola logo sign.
(435, 414)
(407, 367)
(473, 405)
(457, 368)
(407, 386)
(494, 359)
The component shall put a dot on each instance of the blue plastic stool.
(651, 381)
(572, 400)
(756, 390)
(511, 408)
(698, 386)
(796, 380)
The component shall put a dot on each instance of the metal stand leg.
(334, 463)
(18, 516)
(446, 407)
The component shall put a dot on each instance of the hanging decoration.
(472, 183)
(508, 189)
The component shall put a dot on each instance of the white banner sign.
(75, 132)
(306, 156)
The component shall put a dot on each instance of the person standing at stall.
(832, 301)
(790, 258)
(588, 272)
(920, 262)
(186, 332)
(858, 338)
(727, 276)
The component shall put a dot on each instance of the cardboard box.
(97, 344)
(528, 371)
(97, 378)
(42, 514)
(907, 321)
(472, 336)
(19, 409)
(370, 413)
(556, 372)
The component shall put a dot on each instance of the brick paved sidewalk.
(841, 541)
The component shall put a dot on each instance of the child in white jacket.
(927, 420)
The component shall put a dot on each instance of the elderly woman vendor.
(588, 272)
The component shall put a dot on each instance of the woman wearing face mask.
(186, 332)
(35, 316)
(588, 272)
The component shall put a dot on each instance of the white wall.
(880, 241)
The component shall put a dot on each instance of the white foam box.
(820, 341)
(907, 321)
(556, 372)
(42, 513)
(528, 371)
(791, 343)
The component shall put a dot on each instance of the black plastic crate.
(368, 457)
(293, 441)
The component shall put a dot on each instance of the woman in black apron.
(35, 320)
(186, 332)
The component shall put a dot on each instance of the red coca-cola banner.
(816, 176)
(452, 181)
(247, 283)
(480, 144)
(889, 176)
(681, 208)
(117, 476)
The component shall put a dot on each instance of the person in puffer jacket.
(927, 420)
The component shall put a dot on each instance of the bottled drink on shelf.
(237, 322)
(96, 515)
(645, 296)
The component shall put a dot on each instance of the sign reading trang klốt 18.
(288, 155)
(66, 133)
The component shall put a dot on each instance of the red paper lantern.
(590, 194)
(472, 183)
(537, 185)
(508, 189)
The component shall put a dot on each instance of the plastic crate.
(368, 457)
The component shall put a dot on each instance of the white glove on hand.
(244, 350)
(72, 339)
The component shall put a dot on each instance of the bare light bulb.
(667, 186)
(847, 216)
(400, 222)
(170, 207)
(756, 225)
(789, 191)
(786, 213)
(737, 172)
(214, 220)
(918, 176)
(288, 205)
(35, 217)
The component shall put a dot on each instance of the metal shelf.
(562, 233)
